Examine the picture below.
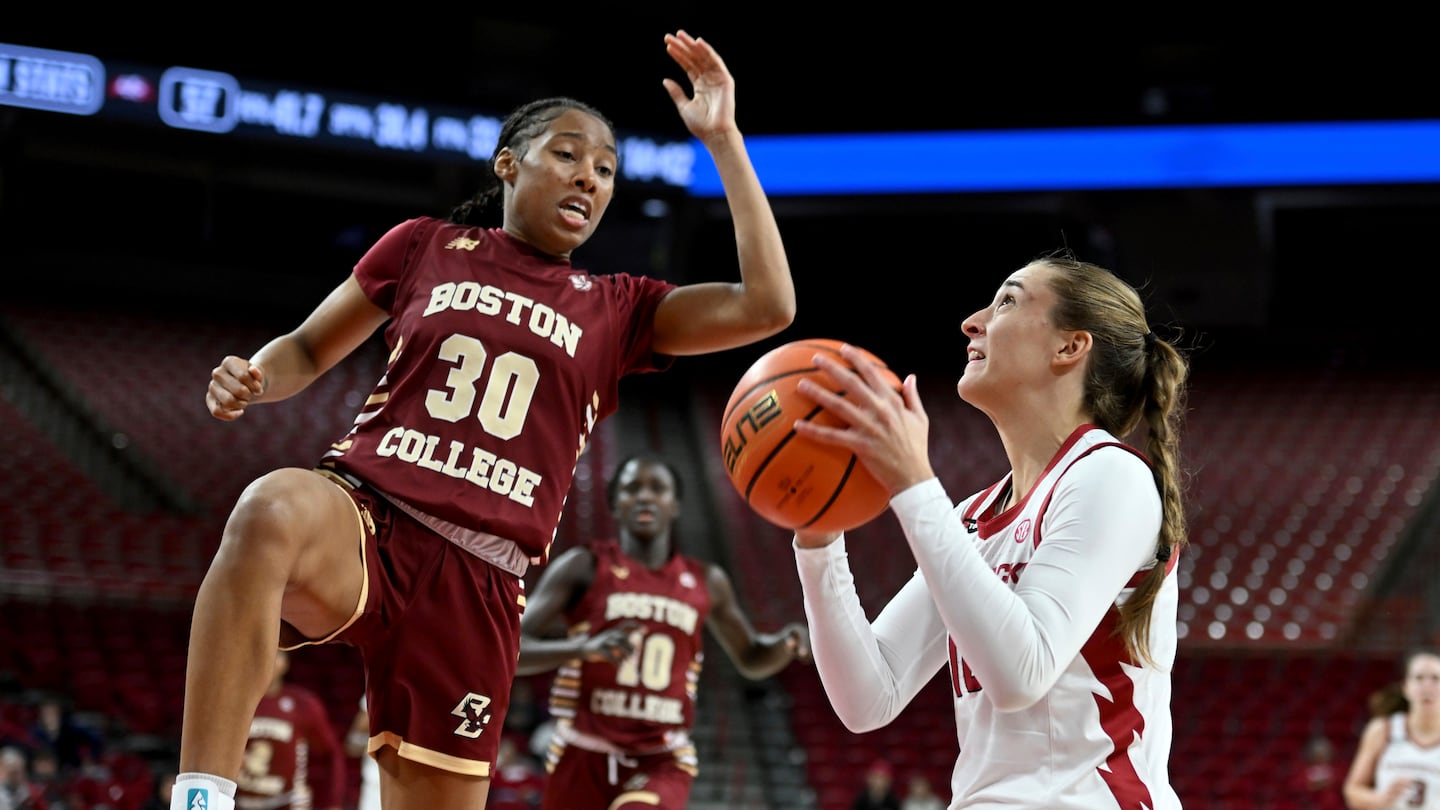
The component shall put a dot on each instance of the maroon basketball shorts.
(439, 631)
(587, 780)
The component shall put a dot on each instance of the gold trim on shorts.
(362, 520)
(424, 756)
(640, 796)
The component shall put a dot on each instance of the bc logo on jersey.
(198, 799)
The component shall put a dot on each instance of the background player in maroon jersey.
(413, 540)
(293, 759)
(624, 695)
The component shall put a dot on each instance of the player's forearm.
(543, 655)
(864, 687)
(1360, 797)
(764, 267)
(770, 653)
(288, 367)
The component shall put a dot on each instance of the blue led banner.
(1304, 154)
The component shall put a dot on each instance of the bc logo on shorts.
(471, 709)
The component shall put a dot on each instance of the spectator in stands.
(15, 730)
(1397, 763)
(622, 620)
(919, 795)
(413, 542)
(74, 744)
(878, 792)
(16, 790)
(1316, 783)
(55, 793)
(1046, 589)
(293, 758)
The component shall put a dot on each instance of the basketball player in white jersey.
(1397, 764)
(1050, 594)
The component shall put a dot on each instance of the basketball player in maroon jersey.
(293, 758)
(412, 538)
(629, 668)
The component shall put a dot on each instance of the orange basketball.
(792, 481)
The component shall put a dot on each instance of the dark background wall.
(1315, 276)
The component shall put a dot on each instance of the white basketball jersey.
(1067, 721)
(1113, 713)
(1403, 758)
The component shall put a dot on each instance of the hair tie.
(1163, 553)
(1150, 338)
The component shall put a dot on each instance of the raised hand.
(233, 385)
(711, 110)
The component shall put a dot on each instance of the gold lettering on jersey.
(541, 320)
(272, 728)
(255, 775)
(475, 465)
(654, 608)
(651, 708)
(462, 243)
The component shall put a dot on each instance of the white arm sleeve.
(1101, 527)
(870, 672)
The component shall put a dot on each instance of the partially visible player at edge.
(411, 539)
(1397, 761)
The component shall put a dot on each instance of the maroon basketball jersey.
(292, 759)
(502, 360)
(639, 704)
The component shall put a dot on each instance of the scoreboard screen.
(220, 104)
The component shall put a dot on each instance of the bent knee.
(281, 510)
